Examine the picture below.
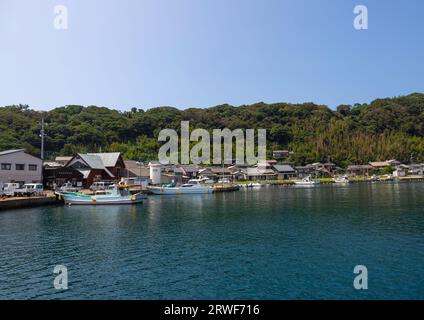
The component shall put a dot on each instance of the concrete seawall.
(221, 188)
(19, 203)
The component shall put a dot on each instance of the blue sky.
(200, 53)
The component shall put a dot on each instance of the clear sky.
(200, 53)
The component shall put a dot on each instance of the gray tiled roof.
(255, 171)
(109, 159)
(283, 168)
(3, 153)
(94, 162)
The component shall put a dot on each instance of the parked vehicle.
(9, 189)
(68, 187)
(14, 190)
(29, 189)
(96, 186)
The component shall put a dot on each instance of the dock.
(26, 202)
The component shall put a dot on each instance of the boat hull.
(79, 199)
(306, 183)
(179, 190)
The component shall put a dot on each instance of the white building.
(155, 172)
(20, 167)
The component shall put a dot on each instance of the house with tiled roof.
(284, 171)
(112, 161)
(259, 174)
(91, 167)
(95, 167)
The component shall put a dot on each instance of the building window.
(32, 167)
(20, 167)
(6, 166)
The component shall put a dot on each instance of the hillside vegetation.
(384, 129)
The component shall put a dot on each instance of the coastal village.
(86, 171)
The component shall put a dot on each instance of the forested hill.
(383, 129)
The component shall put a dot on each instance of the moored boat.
(192, 187)
(306, 182)
(111, 196)
(341, 179)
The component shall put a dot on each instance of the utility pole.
(42, 135)
(140, 164)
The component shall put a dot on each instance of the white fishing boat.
(113, 195)
(341, 179)
(194, 186)
(307, 181)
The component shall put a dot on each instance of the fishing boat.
(341, 179)
(307, 181)
(193, 186)
(113, 195)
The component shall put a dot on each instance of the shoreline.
(48, 200)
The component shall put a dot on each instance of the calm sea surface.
(273, 243)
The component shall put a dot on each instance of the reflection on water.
(272, 243)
